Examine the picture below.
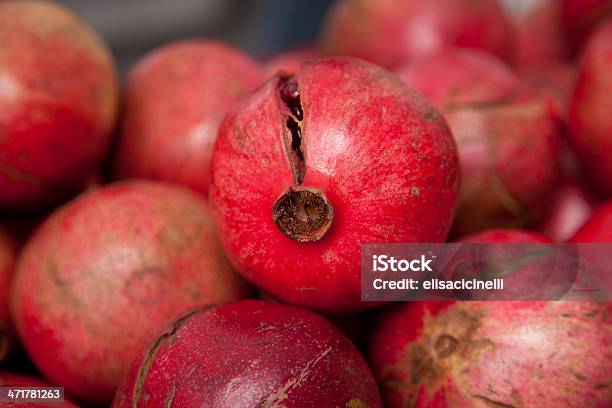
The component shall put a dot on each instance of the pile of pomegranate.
(190, 235)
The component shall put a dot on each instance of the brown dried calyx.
(303, 214)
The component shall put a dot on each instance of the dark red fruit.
(8, 254)
(250, 354)
(538, 36)
(393, 32)
(507, 136)
(590, 119)
(494, 354)
(580, 17)
(105, 271)
(175, 98)
(312, 166)
(58, 101)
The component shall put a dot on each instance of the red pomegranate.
(314, 165)
(580, 17)
(8, 254)
(494, 354)
(590, 121)
(175, 98)
(58, 101)
(290, 61)
(393, 32)
(105, 271)
(250, 354)
(507, 137)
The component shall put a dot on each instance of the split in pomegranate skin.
(395, 32)
(103, 272)
(58, 103)
(590, 121)
(175, 98)
(507, 136)
(497, 354)
(250, 354)
(312, 166)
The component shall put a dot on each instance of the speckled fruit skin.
(393, 32)
(250, 354)
(58, 102)
(486, 354)
(580, 17)
(571, 206)
(8, 254)
(103, 272)
(590, 120)
(9, 379)
(290, 61)
(381, 155)
(506, 134)
(175, 98)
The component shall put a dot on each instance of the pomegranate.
(393, 32)
(590, 121)
(555, 80)
(290, 61)
(507, 136)
(537, 32)
(494, 354)
(105, 271)
(175, 99)
(8, 253)
(250, 354)
(58, 102)
(312, 166)
(570, 207)
(581, 16)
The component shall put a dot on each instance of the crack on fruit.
(293, 115)
(151, 354)
(24, 176)
(493, 403)
(170, 397)
(274, 399)
(303, 214)
(356, 403)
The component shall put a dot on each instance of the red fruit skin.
(590, 120)
(290, 61)
(598, 228)
(570, 208)
(556, 80)
(580, 17)
(393, 32)
(506, 236)
(58, 102)
(250, 354)
(506, 134)
(8, 255)
(538, 37)
(9, 379)
(175, 98)
(485, 354)
(381, 155)
(105, 271)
